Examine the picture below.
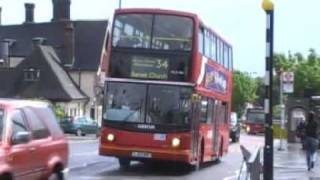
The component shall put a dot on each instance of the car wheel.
(57, 175)
(6, 177)
(234, 139)
(124, 163)
(79, 132)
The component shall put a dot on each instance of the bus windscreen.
(151, 104)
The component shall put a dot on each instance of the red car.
(32, 145)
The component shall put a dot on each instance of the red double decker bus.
(167, 90)
(255, 119)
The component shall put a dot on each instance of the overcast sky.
(241, 22)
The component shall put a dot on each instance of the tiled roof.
(88, 40)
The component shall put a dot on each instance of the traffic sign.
(288, 87)
(288, 77)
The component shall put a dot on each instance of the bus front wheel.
(124, 163)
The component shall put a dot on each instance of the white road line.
(85, 153)
(82, 141)
(233, 176)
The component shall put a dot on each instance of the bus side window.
(207, 44)
(201, 41)
(218, 51)
(214, 48)
(226, 56)
(221, 52)
(230, 59)
(210, 111)
(204, 110)
(224, 112)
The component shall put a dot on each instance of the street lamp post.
(282, 114)
(267, 5)
(120, 4)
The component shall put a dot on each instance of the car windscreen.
(255, 117)
(1, 123)
(152, 104)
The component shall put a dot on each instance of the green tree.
(59, 111)
(244, 90)
(306, 70)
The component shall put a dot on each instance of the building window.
(31, 74)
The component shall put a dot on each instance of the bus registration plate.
(159, 137)
(141, 154)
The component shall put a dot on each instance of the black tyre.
(235, 138)
(57, 175)
(79, 132)
(124, 163)
(6, 177)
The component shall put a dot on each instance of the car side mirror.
(21, 137)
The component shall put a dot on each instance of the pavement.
(86, 164)
(290, 163)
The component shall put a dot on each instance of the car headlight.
(248, 129)
(110, 137)
(175, 142)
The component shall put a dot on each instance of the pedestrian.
(311, 140)
(300, 131)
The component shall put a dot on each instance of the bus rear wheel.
(124, 163)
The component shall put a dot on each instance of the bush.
(277, 130)
(59, 111)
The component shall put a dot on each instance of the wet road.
(86, 164)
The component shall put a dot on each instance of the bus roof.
(169, 12)
(155, 11)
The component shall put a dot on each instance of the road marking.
(85, 153)
(82, 141)
(233, 176)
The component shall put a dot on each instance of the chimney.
(61, 10)
(29, 12)
(4, 54)
(69, 41)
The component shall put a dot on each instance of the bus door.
(215, 122)
(195, 124)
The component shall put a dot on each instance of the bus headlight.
(110, 137)
(175, 142)
(248, 129)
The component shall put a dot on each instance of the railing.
(253, 164)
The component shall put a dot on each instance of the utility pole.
(267, 5)
(282, 114)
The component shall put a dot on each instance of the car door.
(66, 125)
(41, 139)
(21, 155)
(92, 126)
(80, 123)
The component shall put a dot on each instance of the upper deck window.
(132, 30)
(164, 31)
(172, 33)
